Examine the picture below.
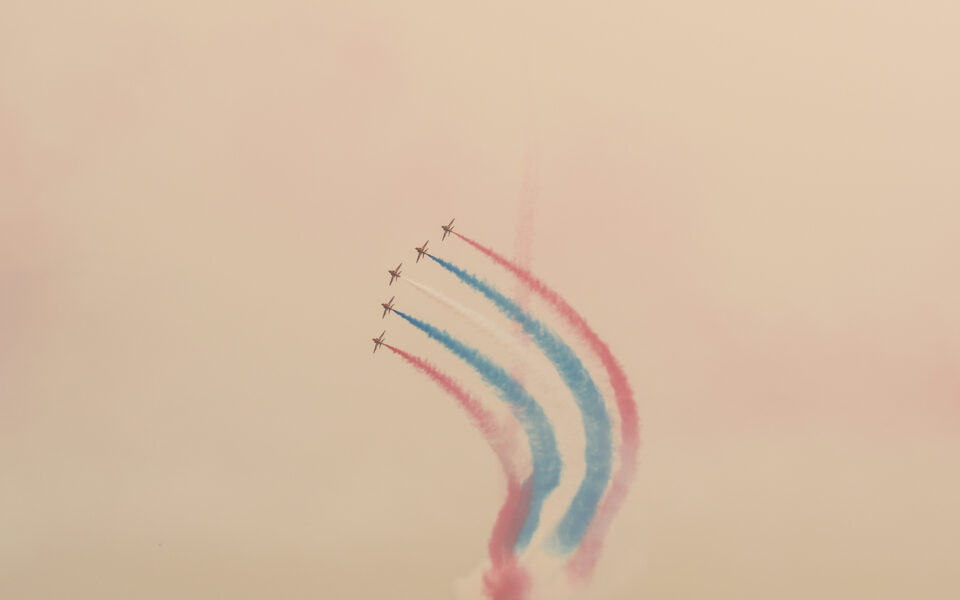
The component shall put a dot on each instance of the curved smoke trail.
(585, 559)
(547, 464)
(506, 580)
(499, 582)
(596, 422)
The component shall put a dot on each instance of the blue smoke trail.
(596, 421)
(543, 445)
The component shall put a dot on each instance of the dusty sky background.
(756, 204)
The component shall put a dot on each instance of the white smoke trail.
(501, 335)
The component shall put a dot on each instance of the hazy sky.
(757, 205)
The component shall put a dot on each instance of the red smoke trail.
(506, 580)
(582, 563)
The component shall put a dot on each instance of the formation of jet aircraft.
(395, 273)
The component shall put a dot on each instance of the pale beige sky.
(754, 203)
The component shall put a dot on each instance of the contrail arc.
(585, 559)
(596, 422)
(547, 464)
(513, 512)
